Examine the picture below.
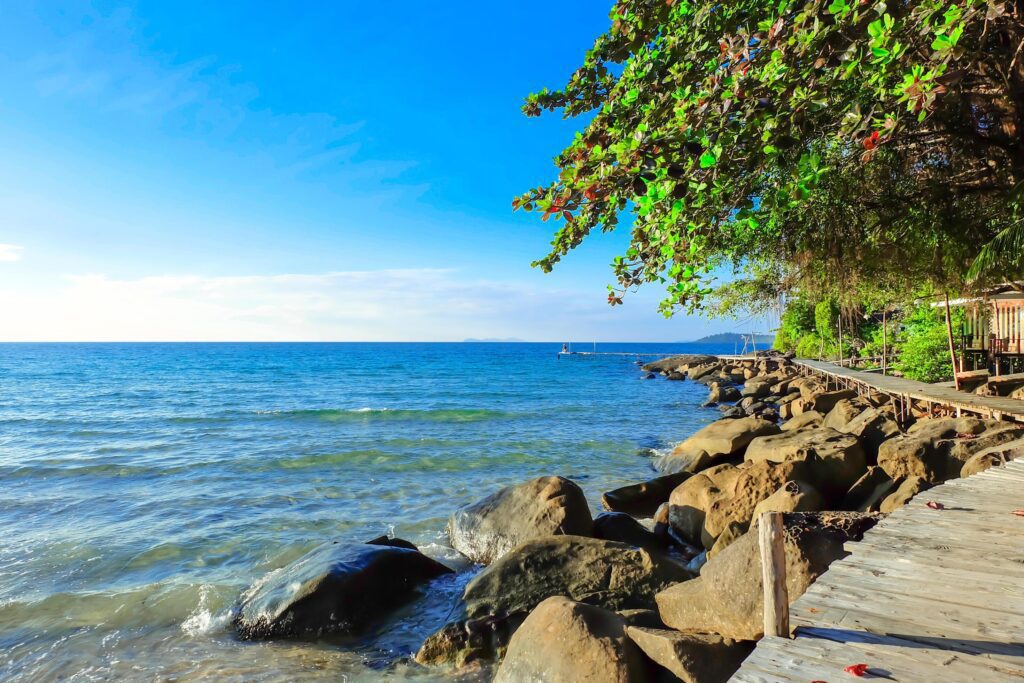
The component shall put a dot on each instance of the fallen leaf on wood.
(813, 609)
(935, 506)
(1019, 513)
(857, 669)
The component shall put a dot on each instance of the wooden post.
(952, 351)
(773, 572)
(885, 346)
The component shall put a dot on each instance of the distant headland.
(731, 337)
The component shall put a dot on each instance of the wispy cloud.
(387, 305)
(10, 252)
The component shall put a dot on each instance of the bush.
(924, 352)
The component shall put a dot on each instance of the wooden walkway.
(928, 595)
(995, 407)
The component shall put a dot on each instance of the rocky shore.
(666, 584)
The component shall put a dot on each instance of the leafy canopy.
(790, 137)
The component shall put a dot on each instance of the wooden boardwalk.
(996, 407)
(928, 595)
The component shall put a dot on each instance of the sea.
(144, 487)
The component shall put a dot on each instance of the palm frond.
(1004, 251)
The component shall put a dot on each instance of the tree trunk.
(952, 351)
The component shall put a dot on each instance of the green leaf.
(708, 159)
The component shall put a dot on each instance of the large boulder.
(618, 526)
(546, 506)
(993, 456)
(728, 597)
(758, 387)
(606, 574)
(908, 488)
(843, 412)
(811, 418)
(835, 460)
(703, 371)
(682, 362)
(337, 588)
(872, 427)
(692, 657)
(722, 393)
(690, 501)
(715, 443)
(793, 496)
(642, 500)
(753, 484)
(564, 641)
(824, 402)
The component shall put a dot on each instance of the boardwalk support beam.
(773, 570)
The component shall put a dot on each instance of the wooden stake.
(885, 347)
(773, 571)
(952, 351)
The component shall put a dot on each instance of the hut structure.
(993, 329)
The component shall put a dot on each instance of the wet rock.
(728, 599)
(908, 488)
(868, 492)
(692, 657)
(722, 394)
(716, 442)
(618, 526)
(472, 640)
(546, 506)
(650, 375)
(606, 574)
(337, 588)
(642, 500)
(566, 641)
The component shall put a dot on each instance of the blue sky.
(337, 171)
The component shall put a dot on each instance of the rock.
(752, 486)
(946, 427)
(835, 460)
(722, 394)
(689, 502)
(646, 618)
(793, 496)
(566, 641)
(728, 599)
(843, 412)
(769, 413)
(650, 375)
(698, 373)
(642, 500)
(732, 532)
(872, 427)
(675, 362)
(337, 588)
(732, 412)
(546, 506)
(867, 494)
(676, 376)
(961, 450)
(757, 388)
(993, 456)
(474, 640)
(606, 574)
(825, 402)
(755, 408)
(908, 488)
(618, 526)
(661, 522)
(716, 442)
(692, 657)
(811, 418)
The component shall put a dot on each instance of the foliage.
(924, 354)
(798, 136)
(826, 319)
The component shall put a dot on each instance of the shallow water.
(144, 486)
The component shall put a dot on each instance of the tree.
(791, 137)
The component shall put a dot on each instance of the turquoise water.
(146, 485)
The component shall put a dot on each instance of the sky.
(328, 171)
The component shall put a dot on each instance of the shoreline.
(833, 462)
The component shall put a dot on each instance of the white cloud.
(383, 305)
(10, 252)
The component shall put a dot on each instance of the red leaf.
(935, 506)
(857, 669)
(1019, 513)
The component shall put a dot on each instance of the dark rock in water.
(722, 394)
(337, 588)
(566, 641)
(676, 362)
(602, 573)
(618, 526)
(650, 375)
(546, 506)
(693, 657)
(732, 412)
(393, 542)
(642, 500)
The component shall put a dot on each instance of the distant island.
(733, 337)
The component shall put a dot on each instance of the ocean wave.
(396, 414)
